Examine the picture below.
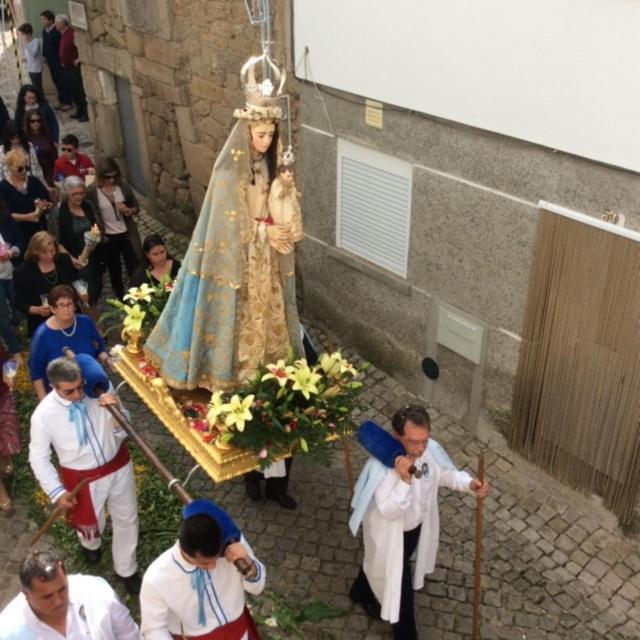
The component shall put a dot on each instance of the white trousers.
(117, 491)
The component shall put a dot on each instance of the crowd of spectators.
(64, 223)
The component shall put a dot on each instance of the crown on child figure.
(261, 95)
(287, 157)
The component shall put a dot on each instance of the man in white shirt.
(89, 443)
(54, 605)
(193, 590)
(32, 48)
(402, 516)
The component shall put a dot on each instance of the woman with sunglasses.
(116, 205)
(29, 99)
(14, 139)
(64, 328)
(24, 196)
(39, 136)
(44, 268)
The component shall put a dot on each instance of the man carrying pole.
(193, 590)
(399, 511)
(89, 444)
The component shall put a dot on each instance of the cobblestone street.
(555, 563)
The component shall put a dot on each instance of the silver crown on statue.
(262, 84)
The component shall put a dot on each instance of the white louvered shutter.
(374, 206)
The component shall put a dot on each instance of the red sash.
(231, 631)
(83, 516)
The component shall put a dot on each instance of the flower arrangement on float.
(140, 309)
(289, 405)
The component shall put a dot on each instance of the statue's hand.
(280, 239)
(278, 233)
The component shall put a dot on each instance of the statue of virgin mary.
(233, 304)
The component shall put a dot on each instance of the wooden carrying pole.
(477, 594)
(174, 485)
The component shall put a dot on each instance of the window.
(374, 206)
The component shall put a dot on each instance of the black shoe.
(92, 556)
(284, 500)
(83, 119)
(372, 609)
(132, 584)
(75, 116)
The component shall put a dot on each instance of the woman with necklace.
(44, 268)
(69, 224)
(64, 328)
(24, 196)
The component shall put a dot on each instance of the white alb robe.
(169, 603)
(94, 612)
(397, 507)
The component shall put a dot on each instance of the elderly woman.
(44, 268)
(24, 196)
(116, 205)
(65, 328)
(157, 265)
(70, 224)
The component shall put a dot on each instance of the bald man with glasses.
(89, 444)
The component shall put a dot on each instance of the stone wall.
(182, 59)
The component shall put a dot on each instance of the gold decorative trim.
(219, 464)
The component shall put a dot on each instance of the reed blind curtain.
(577, 395)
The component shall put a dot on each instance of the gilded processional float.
(217, 354)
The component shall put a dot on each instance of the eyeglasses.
(110, 176)
(65, 305)
(21, 169)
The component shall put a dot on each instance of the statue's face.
(286, 176)
(262, 135)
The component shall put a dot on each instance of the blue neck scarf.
(79, 416)
(199, 578)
